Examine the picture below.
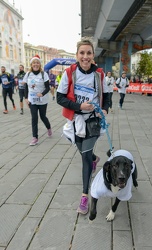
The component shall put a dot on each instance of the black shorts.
(21, 94)
(52, 85)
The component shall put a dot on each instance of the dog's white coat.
(98, 188)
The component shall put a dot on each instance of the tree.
(145, 64)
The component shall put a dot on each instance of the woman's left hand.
(39, 95)
(104, 111)
(99, 115)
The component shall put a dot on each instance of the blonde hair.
(31, 69)
(85, 42)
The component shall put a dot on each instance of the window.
(11, 52)
(0, 49)
(20, 55)
(18, 24)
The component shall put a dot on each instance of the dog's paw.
(110, 216)
(92, 217)
(135, 183)
(90, 221)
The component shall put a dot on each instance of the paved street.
(40, 186)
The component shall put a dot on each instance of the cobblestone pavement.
(40, 186)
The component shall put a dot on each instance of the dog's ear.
(106, 166)
(130, 162)
(107, 174)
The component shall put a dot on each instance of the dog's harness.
(104, 125)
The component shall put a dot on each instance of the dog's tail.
(109, 152)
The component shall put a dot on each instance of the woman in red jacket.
(81, 84)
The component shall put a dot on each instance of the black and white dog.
(115, 179)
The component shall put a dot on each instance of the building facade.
(66, 55)
(30, 51)
(11, 37)
(135, 59)
(13, 51)
(46, 55)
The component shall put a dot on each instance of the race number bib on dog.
(83, 94)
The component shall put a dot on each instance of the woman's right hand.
(87, 106)
(27, 102)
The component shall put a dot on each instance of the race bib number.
(4, 80)
(34, 99)
(122, 84)
(83, 93)
(20, 81)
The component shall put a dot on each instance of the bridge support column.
(108, 64)
(125, 56)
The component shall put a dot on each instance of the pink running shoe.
(5, 111)
(84, 205)
(94, 165)
(49, 132)
(34, 141)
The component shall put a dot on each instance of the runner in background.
(7, 81)
(52, 79)
(21, 86)
(122, 83)
(58, 79)
(37, 96)
(110, 84)
(16, 83)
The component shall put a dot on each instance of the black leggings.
(85, 147)
(122, 96)
(110, 99)
(8, 91)
(34, 113)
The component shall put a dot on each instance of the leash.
(104, 125)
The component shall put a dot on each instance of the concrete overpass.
(118, 28)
